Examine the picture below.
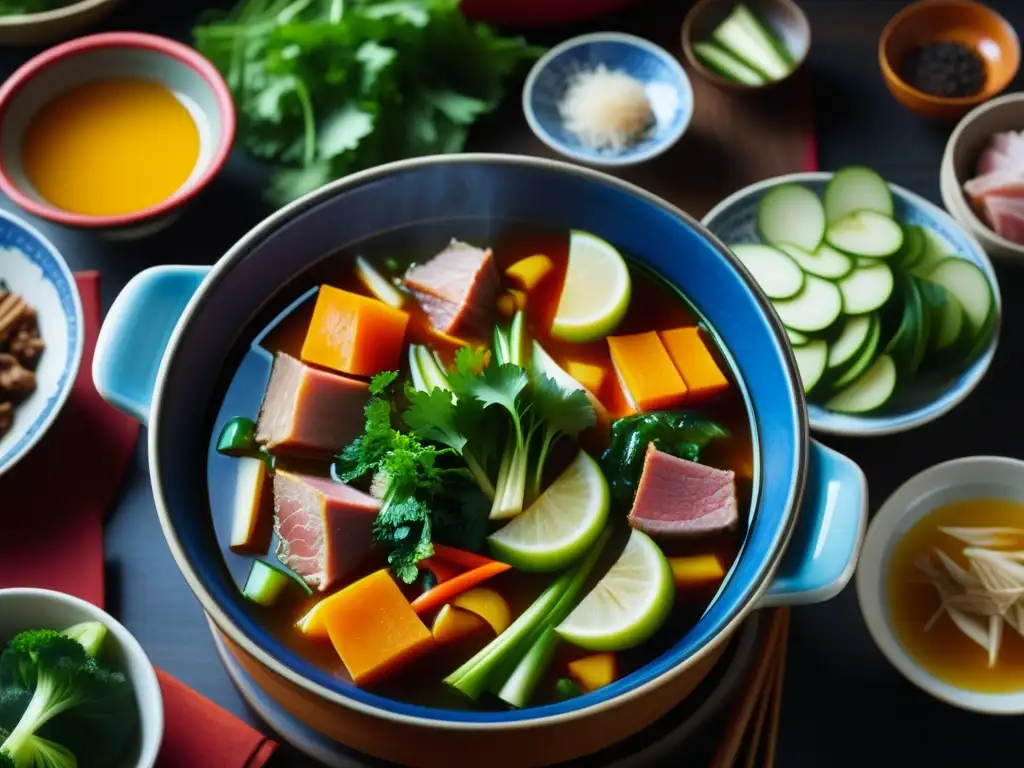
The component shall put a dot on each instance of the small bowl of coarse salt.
(608, 99)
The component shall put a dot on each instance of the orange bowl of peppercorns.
(941, 58)
(41, 337)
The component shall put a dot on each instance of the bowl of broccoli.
(76, 689)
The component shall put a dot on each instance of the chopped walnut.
(6, 417)
(27, 345)
(16, 381)
(14, 313)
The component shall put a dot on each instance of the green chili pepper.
(238, 438)
(566, 689)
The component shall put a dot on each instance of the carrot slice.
(460, 557)
(445, 593)
(354, 334)
(442, 570)
(693, 360)
(374, 629)
(649, 380)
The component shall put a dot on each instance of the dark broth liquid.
(654, 306)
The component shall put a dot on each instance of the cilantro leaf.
(406, 528)
(431, 415)
(495, 385)
(380, 383)
(560, 410)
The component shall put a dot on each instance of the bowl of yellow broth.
(941, 582)
(113, 132)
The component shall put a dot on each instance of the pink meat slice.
(457, 289)
(310, 412)
(992, 160)
(1007, 183)
(324, 528)
(1009, 143)
(679, 498)
(1006, 215)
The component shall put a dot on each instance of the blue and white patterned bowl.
(665, 82)
(32, 267)
(734, 220)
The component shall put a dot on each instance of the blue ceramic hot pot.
(174, 331)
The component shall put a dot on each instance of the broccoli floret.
(58, 677)
(91, 635)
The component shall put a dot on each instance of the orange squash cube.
(595, 671)
(693, 360)
(373, 628)
(589, 375)
(648, 378)
(354, 334)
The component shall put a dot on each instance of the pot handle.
(822, 553)
(135, 334)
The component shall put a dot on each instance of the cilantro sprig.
(327, 87)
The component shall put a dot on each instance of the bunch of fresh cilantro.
(327, 87)
(437, 456)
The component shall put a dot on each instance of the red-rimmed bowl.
(191, 78)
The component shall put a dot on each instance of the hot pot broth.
(654, 306)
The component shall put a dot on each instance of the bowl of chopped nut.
(41, 337)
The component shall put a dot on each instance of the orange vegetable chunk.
(443, 571)
(693, 360)
(312, 624)
(374, 629)
(453, 624)
(589, 375)
(649, 380)
(449, 590)
(594, 671)
(528, 273)
(354, 334)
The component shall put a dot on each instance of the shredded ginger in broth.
(605, 109)
(989, 594)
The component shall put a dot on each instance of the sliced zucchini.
(936, 248)
(866, 233)
(825, 262)
(969, 285)
(793, 215)
(760, 31)
(796, 338)
(719, 60)
(864, 358)
(908, 345)
(856, 188)
(867, 288)
(778, 275)
(950, 321)
(855, 334)
(913, 247)
(811, 361)
(378, 285)
(743, 40)
(267, 581)
(816, 307)
(868, 393)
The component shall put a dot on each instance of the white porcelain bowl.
(23, 609)
(958, 480)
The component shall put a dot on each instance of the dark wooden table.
(843, 702)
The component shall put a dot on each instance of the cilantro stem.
(302, 93)
(479, 475)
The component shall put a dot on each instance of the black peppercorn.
(944, 69)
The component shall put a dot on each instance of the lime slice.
(561, 524)
(628, 605)
(596, 291)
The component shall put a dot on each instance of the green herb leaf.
(559, 410)
(495, 385)
(431, 415)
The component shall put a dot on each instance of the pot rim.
(288, 213)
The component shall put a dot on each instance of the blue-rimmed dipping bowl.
(665, 83)
(734, 220)
(173, 337)
(33, 268)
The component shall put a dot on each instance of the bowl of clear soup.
(114, 132)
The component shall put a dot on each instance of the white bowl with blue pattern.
(928, 397)
(33, 268)
(665, 83)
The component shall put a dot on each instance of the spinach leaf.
(679, 433)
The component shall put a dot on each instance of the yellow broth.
(655, 306)
(944, 650)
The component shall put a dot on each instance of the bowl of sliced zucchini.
(892, 309)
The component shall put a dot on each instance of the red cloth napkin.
(54, 502)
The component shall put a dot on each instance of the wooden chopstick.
(773, 726)
(729, 747)
(753, 742)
